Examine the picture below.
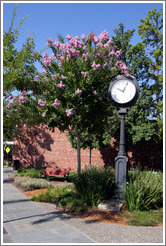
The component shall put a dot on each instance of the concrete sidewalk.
(27, 222)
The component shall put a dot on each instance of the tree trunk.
(90, 155)
(78, 153)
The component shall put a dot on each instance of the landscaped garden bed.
(143, 196)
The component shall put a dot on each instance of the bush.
(144, 191)
(31, 172)
(72, 202)
(94, 184)
(28, 184)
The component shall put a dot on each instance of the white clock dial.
(123, 91)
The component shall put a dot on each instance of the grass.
(144, 218)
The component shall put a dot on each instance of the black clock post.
(121, 161)
(123, 92)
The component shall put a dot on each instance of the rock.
(114, 205)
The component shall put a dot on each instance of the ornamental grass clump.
(94, 184)
(144, 191)
(28, 184)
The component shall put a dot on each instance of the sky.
(47, 19)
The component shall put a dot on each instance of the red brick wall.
(40, 147)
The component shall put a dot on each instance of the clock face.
(123, 91)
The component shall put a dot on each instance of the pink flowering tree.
(72, 90)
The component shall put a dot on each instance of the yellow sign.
(7, 150)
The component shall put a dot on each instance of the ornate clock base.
(120, 176)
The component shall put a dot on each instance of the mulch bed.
(95, 215)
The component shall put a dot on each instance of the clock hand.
(125, 87)
(120, 90)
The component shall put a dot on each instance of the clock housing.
(123, 91)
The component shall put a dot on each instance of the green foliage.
(145, 60)
(51, 195)
(72, 202)
(28, 184)
(93, 185)
(146, 218)
(18, 75)
(150, 30)
(31, 172)
(18, 65)
(144, 190)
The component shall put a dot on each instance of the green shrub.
(144, 191)
(28, 184)
(31, 172)
(94, 184)
(72, 202)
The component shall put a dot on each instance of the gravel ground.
(111, 233)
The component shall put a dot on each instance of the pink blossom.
(119, 52)
(95, 66)
(15, 98)
(63, 77)
(96, 39)
(95, 92)
(9, 105)
(113, 68)
(85, 74)
(56, 44)
(83, 37)
(22, 99)
(69, 112)
(103, 36)
(41, 103)
(124, 67)
(76, 37)
(68, 57)
(86, 56)
(52, 57)
(68, 37)
(78, 92)
(56, 103)
(10, 97)
(25, 125)
(85, 48)
(61, 85)
(118, 64)
(62, 124)
(45, 126)
(112, 53)
(100, 44)
(43, 114)
(45, 55)
(100, 98)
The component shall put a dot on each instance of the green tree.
(150, 30)
(140, 122)
(18, 65)
(18, 75)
